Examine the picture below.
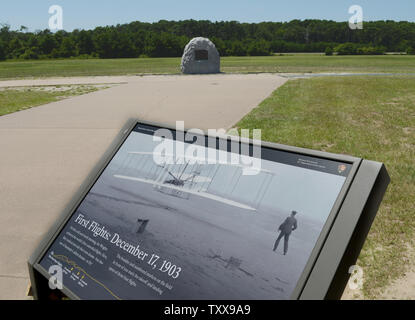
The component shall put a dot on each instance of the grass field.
(17, 99)
(369, 117)
(287, 63)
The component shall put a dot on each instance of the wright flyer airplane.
(182, 178)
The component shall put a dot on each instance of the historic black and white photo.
(215, 230)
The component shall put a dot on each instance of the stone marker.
(200, 56)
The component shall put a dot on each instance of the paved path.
(47, 151)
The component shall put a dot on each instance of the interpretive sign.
(156, 223)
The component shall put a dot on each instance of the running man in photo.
(288, 226)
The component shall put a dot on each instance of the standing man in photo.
(288, 226)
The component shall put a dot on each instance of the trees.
(2, 51)
(165, 45)
(85, 43)
(67, 48)
(47, 43)
(329, 51)
(353, 49)
(259, 48)
(347, 48)
(220, 45)
(30, 54)
(237, 48)
(379, 50)
(168, 38)
(104, 45)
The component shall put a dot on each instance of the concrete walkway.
(47, 151)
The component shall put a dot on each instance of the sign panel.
(201, 55)
(182, 229)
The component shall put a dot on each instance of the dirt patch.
(403, 288)
(400, 289)
(57, 88)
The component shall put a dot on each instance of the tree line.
(168, 38)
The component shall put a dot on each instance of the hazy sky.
(87, 14)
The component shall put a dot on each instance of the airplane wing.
(201, 160)
(197, 179)
(200, 194)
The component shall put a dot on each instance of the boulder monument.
(200, 56)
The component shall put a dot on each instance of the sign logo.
(342, 168)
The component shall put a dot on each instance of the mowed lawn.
(17, 99)
(369, 117)
(310, 63)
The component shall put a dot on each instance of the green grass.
(369, 117)
(287, 63)
(17, 99)
(319, 63)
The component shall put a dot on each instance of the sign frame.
(338, 246)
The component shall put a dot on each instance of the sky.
(88, 14)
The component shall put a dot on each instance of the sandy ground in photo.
(47, 151)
